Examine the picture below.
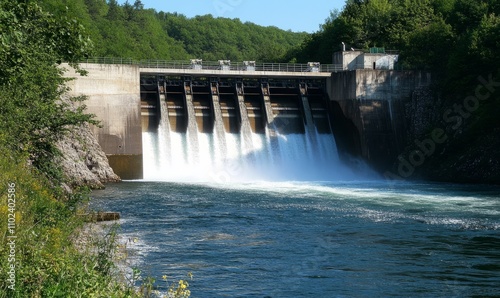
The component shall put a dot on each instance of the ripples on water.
(314, 239)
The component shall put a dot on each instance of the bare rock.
(421, 112)
(83, 160)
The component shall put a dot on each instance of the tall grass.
(55, 253)
(46, 259)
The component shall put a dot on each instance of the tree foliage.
(212, 38)
(131, 31)
(32, 45)
(364, 24)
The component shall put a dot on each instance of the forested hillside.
(131, 31)
(212, 38)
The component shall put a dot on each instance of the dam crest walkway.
(224, 68)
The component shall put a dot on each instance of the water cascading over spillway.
(204, 130)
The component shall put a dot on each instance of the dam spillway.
(230, 129)
(367, 109)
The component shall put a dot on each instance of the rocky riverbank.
(83, 160)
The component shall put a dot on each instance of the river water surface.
(313, 239)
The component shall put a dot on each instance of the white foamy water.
(259, 158)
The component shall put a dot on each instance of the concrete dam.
(225, 122)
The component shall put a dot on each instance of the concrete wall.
(380, 61)
(114, 97)
(371, 84)
(349, 59)
(352, 60)
(372, 104)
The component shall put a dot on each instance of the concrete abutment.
(369, 112)
(113, 95)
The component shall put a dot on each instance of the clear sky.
(300, 15)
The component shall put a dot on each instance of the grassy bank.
(38, 221)
(47, 250)
(38, 255)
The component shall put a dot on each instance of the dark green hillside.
(212, 38)
(126, 31)
(130, 31)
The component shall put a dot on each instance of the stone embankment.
(83, 160)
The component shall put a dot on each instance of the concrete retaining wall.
(114, 97)
(372, 104)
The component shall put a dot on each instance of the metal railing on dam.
(222, 65)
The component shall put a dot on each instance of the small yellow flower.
(183, 284)
(164, 277)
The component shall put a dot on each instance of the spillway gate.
(232, 105)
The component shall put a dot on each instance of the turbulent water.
(313, 239)
(222, 207)
(170, 156)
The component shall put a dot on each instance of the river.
(313, 239)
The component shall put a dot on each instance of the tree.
(443, 7)
(32, 46)
(428, 46)
(467, 14)
(138, 5)
(407, 16)
(114, 11)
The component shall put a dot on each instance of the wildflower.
(164, 277)
(182, 284)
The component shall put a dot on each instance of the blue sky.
(285, 14)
